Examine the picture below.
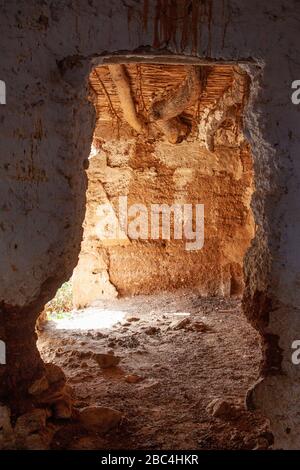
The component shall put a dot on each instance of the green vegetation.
(61, 306)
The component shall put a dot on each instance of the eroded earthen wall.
(149, 170)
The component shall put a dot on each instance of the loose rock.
(199, 326)
(31, 432)
(180, 324)
(31, 422)
(54, 374)
(261, 444)
(106, 360)
(39, 386)
(133, 378)
(152, 330)
(220, 408)
(101, 419)
(63, 408)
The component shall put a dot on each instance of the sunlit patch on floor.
(92, 318)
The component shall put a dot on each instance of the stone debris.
(53, 376)
(52, 395)
(189, 325)
(106, 360)
(180, 324)
(153, 364)
(152, 330)
(39, 386)
(133, 378)
(261, 444)
(37, 441)
(31, 432)
(57, 395)
(220, 408)
(199, 326)
(31, 422)
(99, 418)
(63, 408)
(54, 373)
(6, 430)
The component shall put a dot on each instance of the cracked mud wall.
(46, 130)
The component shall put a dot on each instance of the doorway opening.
(151, 322)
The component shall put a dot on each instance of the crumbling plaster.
(47, 50)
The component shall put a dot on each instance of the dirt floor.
(182, 351)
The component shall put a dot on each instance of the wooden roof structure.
(149, 81)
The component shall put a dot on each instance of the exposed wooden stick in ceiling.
(121, 81)
(166, 112)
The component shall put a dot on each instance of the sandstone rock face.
(47, 127)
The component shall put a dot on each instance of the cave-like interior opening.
(151, 322)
